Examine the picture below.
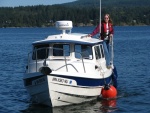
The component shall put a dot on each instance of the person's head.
(107, 18)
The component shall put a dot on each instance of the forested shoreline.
(45, 16)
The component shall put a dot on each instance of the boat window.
(99, 52)
(40, 52)
(83, 51)
(61, 50)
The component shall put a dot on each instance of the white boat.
(67, 68)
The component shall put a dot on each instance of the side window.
(84, 51)
(97, 52)
(61, 50)
(40, 52)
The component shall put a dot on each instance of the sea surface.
(132, 59)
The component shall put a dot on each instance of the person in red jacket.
(107, 32)
(106, 26)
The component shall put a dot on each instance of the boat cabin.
(64, 52)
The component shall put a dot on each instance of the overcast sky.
(15, 3)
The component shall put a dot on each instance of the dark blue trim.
(87, 81)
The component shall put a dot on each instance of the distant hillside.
(109, 3)
(81, 12)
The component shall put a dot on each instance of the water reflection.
(34, 108)
(108, 105)
(97, 106)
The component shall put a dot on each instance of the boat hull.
(54, 90)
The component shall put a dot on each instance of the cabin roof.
(76, 38)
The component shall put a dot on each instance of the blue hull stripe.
(87, 81)
(80, 80)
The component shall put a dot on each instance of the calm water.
(132, 53)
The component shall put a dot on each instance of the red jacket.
(103, 30)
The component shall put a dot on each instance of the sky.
(16, 3)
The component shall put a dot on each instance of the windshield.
(61, 50)
(84, 51)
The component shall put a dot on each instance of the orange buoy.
(109, 92)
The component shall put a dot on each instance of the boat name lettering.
(60, 80)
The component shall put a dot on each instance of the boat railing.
(111, 49)
(33, 56)
(82, 60)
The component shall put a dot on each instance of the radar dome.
(64, 25)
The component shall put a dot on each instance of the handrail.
(82, 62)
(67, 64)
(46, 48)
(65, 60)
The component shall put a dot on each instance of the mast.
(100, 18)
(111, 52)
